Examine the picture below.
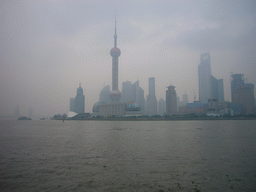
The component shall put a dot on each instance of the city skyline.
(49, 47)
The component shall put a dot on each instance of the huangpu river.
(128, 155)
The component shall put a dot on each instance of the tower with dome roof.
(115, 52)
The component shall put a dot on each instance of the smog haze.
(48, 47)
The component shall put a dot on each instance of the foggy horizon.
(49, 47)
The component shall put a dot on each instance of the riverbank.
(166, 119)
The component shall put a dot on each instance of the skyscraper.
(220, 90)
(104, 94)
(72, 106)
(79, 100)
(133, 93)
(171, 100)
(209, 86)
(115, 52)
(151, 98)
(204, 78)
(161, 107)
(140, 99)
(128, 92)
(217, 89)
(185, 98)
(243, 93)
(236, 80)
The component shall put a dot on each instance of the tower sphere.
(115, 52)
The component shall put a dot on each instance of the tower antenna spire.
(115, 36)
(115, 52)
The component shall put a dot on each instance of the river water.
(128, 155)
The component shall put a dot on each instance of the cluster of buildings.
(131, 100)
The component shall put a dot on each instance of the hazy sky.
(48, 46)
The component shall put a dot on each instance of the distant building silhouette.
(196, 107)
(161, 107)
(217, 89)
(185, 98)
(79, 100)
(151, 98)
(104, 94)
(133, 93)
(209, 86)
(204, 77)
(220, 90)
(140, 99)
(72, 106)
(182, 103)
(171, 100)
(236, 80)
(179, 103)
(128, 92)
(242, 93)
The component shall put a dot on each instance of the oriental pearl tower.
(115, 52)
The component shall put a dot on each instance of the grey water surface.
(128, 155)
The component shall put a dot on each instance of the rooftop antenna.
(115, 36)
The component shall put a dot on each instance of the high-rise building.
(179, 102)
(72, 106)
(104, 94)
(220, 90)
(133, 93)
(140, 99)
(128, 92)
(161, 107)
(151, 98)
(217, 89)
(185, 98)
(242, 93)
(204, 78)
(236, 80)
(79, 100)
(245, 95)
(209, 86)
(214, 88)
(171, 100)
(182, 103)
(115, 52)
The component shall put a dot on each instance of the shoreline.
(163, 119)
